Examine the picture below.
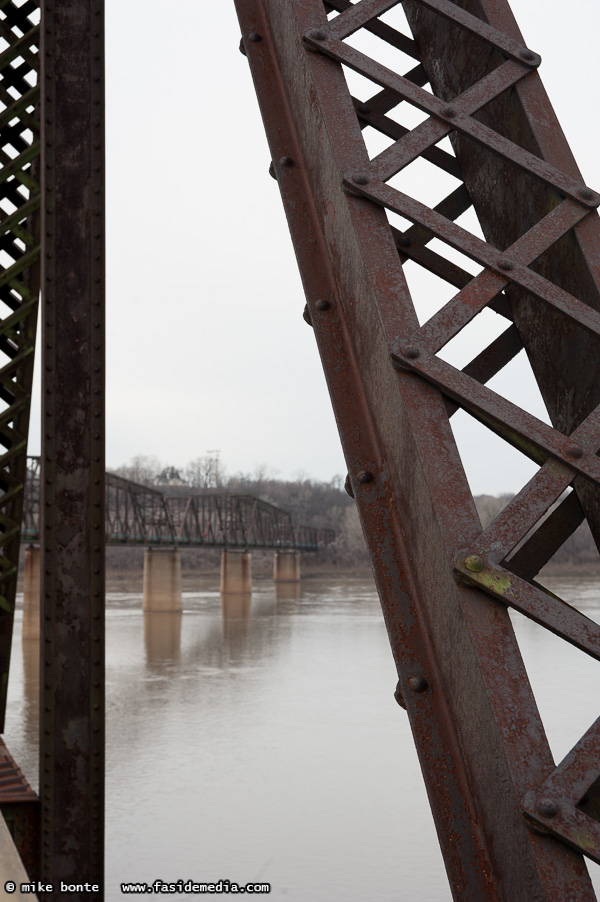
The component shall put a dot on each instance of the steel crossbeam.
(511, 824)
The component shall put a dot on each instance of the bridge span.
(141, 515)
(137, 514)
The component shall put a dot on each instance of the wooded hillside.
(326, 504)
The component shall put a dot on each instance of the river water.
(266, 745)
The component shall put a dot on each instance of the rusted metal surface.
(72, 473)
(567, 804)
(19, 285)
(13, 785)
(19, 805)
(137, 514)
(444, 582)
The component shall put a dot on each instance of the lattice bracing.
(468, 103)
(19, 283)
(565, 454)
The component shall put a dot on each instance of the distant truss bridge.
(138, 514)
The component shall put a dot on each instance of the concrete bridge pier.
(286, 567)
(162, 580)
(236, 572)
(31, 593)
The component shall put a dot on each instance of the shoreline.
(121, 578)
(117, 578)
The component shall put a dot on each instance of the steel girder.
(19, 285)
(511, 824)
(72, 471)
(64, 123)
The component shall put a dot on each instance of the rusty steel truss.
(137, 514)
(511, 823)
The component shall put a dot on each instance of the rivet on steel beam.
(505, 264)
(418, 683)
(398, 695)
(574, 451)
(411, 352)
(348, 486)
(363, 108)
(530, 57)
(360, 178)
(323, 304)
(364, 477)
(588, 195)
(286, 162)
(242, 47)
(547, 808)
(449, 112)
(272, 172)
(403, 241)
(474, 563)
(317, 34)
(306, 315)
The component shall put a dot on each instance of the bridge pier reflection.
(287, 591)
(236, 605)
(162, 580)
(162, 636)
(31, 593)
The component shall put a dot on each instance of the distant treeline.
(325, 504)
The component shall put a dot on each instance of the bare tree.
(205, 472)
(142, 469)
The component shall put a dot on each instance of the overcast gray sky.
(206, 346)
